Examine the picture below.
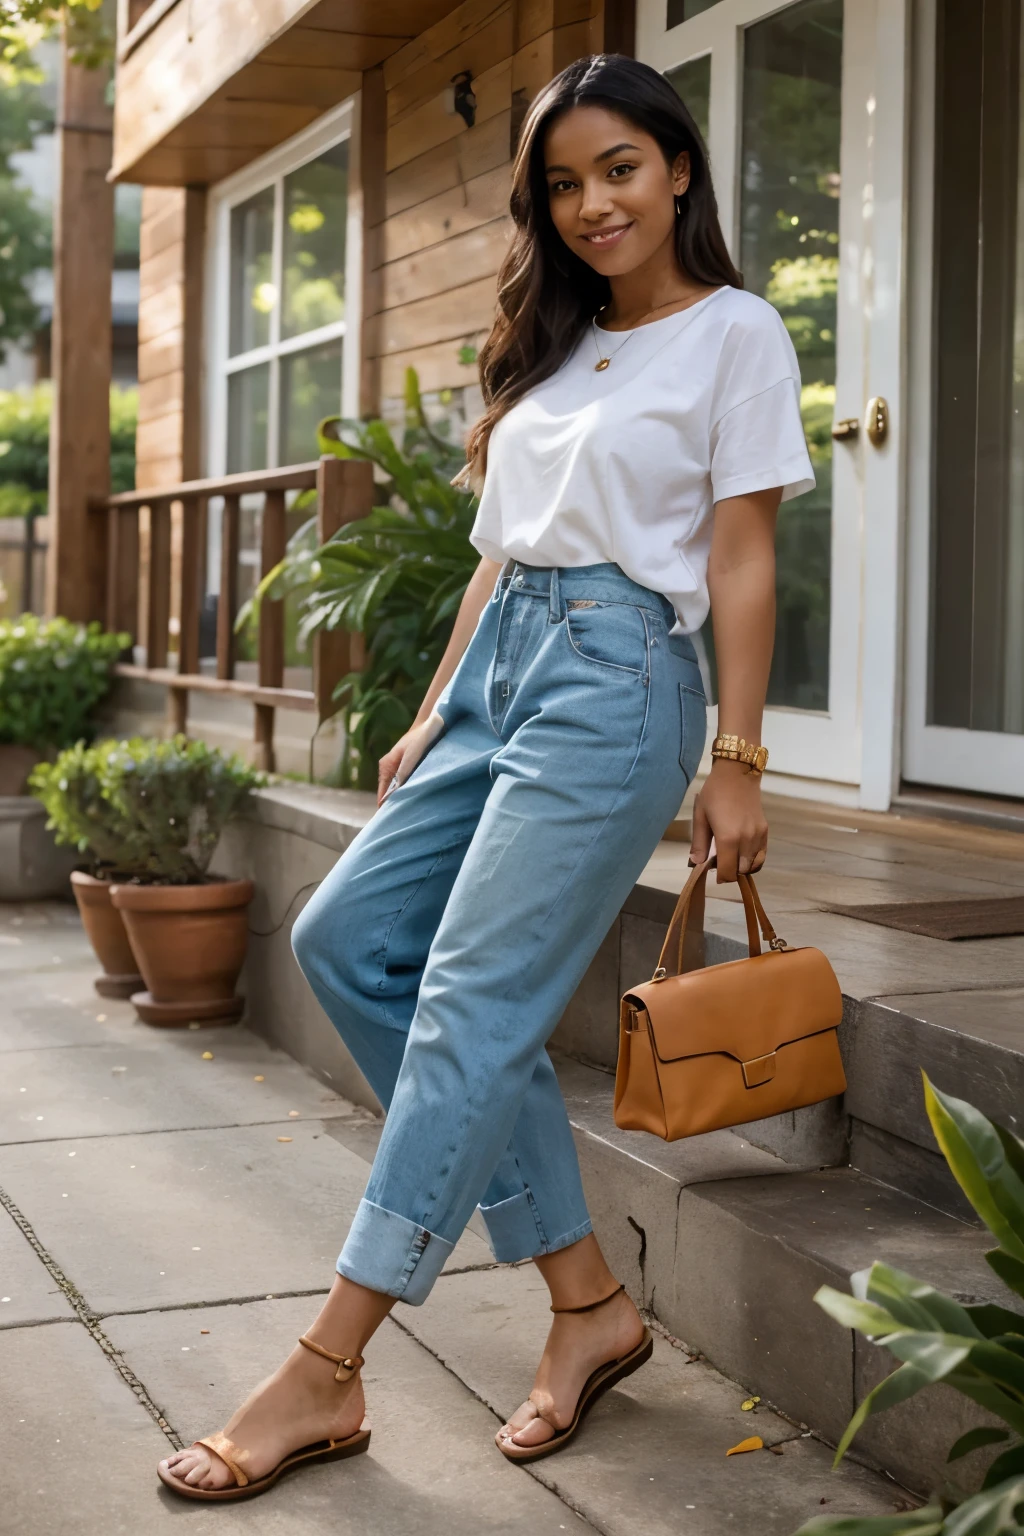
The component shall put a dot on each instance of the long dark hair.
(546, 293)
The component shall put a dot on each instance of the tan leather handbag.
(700, 1049)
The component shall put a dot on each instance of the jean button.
(518, 581)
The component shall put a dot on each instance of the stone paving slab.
(28, 1292)
(652, 1456)
(996, 1016)
(55, 1011)
(179, 1217)
(43, 936)
(431, 1466)
(156, 1081)
(82, 1446)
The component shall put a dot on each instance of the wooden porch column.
(83, 259)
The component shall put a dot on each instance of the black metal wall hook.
(462, 97)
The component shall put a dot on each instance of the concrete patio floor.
(161, 1246)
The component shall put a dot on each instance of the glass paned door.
(965, 717)
(789, 254)
(788, 92)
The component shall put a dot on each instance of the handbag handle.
(687, 925)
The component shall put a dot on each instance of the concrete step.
(726, 1245)
(969, 1041)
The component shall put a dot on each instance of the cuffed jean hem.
(393, 1255)
(515, 1230)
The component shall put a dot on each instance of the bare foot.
(578, 1343)
(299, 1405)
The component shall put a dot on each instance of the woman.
(642, 425)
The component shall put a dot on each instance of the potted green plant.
(396, 576)
(977, 1348)
(81, 817)
(52, 676)
(150, 813)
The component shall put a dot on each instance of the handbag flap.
(744, 1008)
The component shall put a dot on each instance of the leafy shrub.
(52, 675)
(147, 810)
(25, 447)
(977, 1349)
(80, 815)
(396, 576)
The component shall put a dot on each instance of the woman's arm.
(395, 766)
(741, 583)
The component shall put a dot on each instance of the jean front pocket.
(610, 634)
(693, 725)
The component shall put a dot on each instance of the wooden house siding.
(446, 224)
(170, 336)
(434, 192)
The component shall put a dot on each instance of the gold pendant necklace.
(606, 362)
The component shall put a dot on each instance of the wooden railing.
(344, 490)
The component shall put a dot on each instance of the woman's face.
(611, 192)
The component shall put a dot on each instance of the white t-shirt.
(626, 465)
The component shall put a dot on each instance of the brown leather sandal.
(234, 1458)
(599, 1381)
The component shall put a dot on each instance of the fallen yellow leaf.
(755, 1443)
(751, 1402)
(258, 1079)
(284, 1138)
(207, 1055)
(204, 1330)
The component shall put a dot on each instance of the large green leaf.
(1009, 1464)
(917, 1522)
(975, 1153)
(1009, 1269)
(975, 1439)
(897, 1388)
(914, 1303)
(865, 1316)
(996, 1512)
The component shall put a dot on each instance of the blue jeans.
(449, 938)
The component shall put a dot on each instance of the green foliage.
(24, 23)
(151, 811)
(80, 816)
(24, 225)
(397, 576)
(25, 447)
(52, 675)
(976, 1349)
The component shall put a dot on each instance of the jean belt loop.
(555, 604)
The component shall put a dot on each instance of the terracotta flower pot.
(105, 930)
(190, 942)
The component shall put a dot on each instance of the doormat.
(984, 917)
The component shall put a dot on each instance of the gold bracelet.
(736, 749)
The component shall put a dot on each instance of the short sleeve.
(757, 435)
(760, 443)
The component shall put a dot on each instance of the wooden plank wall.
(436, 226)
(445, 223)
(167, 446)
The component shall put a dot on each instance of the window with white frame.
(283, 344)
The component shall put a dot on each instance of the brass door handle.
(876, 420)
(846, 429)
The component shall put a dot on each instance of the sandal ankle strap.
(347, 1365)
(591, 1305)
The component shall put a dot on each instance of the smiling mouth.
(604, 238)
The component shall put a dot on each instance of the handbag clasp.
(760, 1070)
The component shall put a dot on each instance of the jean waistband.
(605, 581)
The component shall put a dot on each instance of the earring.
(679, 207)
